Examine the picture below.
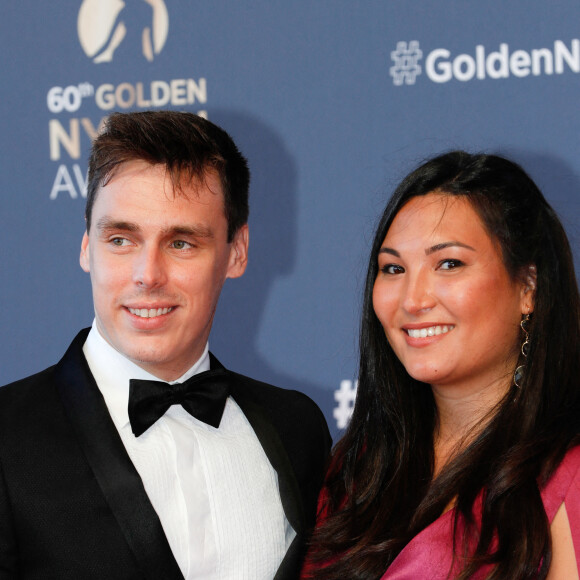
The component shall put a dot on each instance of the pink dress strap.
(564, 487)
(429, 555)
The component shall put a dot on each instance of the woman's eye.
(392, 269)
(450, 264)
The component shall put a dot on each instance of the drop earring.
(525, 348)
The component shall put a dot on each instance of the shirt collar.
(113, 371)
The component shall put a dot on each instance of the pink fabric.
(429, 554)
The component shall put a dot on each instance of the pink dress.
(429, 554)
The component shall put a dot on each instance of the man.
(104, 473)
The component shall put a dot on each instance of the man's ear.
(84, 257)
(239, 253)
(528, 294)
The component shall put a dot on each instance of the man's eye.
(180, 245)
(119, 241)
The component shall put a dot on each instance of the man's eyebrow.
(107, 224)
(442, 246)
(197, 231)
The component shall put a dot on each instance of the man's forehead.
(141, 198)
(180, 176)
(134, 177)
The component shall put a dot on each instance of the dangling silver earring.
(525, 348)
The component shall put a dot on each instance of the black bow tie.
(203, 396)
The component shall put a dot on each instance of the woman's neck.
(463, 412)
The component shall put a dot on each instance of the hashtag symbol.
(406, 57)
(344, 397)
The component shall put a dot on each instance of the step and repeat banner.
(332, 101)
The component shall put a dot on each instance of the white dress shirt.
(214, 490)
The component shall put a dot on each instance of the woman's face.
(448, 306)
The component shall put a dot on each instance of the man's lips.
(150, 312)
(427, 331)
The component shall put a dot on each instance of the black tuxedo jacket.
(72, 505)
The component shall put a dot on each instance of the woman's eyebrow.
(428, 251)
(385, 250)
(444, 245)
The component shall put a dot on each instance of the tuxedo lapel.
(289, 491)
(119, 481)
(273, 447)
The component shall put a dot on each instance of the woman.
(460, 460)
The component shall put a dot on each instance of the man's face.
(157, 264)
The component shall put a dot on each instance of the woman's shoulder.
(564, 483)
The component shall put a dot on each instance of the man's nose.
(149, 268)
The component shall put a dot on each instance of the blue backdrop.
(332, 101)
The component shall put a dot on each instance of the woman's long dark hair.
(380, 487)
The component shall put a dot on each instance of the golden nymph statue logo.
(102, 27)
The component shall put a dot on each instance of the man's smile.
(149, 312)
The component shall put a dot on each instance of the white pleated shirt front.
(214, 490)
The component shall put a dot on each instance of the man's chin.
(146, 357)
